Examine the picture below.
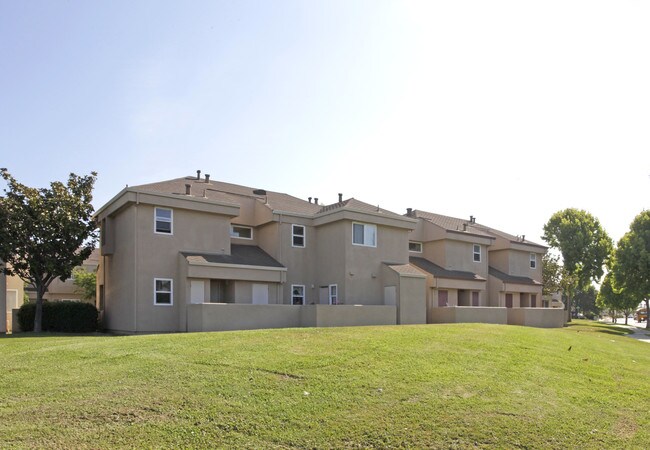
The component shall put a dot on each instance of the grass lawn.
(441, 386)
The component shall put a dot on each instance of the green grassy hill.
(447, 386)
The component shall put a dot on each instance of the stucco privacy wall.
(412, 307)
(464, 314)
(227, 317)
(537, 317)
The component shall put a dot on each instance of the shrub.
(64, 316)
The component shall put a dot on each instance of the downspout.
(135, 265)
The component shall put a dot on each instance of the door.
(323, 295)
(197, 291)
(260, 294)
(533, 301)
(474, 298)
(443, 297)
(12, 299)
(508, 300)
(390, 295)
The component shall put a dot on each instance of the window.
(163, 294)
(533, 261)
(297, 235)
(364, 234)
(297, 294)
(163, 221)
(334, 294)
(241, 232)
(415, 247)
(477, 253)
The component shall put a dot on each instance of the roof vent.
(309, 198)
(340, 198)
(409, 212)
(188, 189)
(472, 219)
(207, 177)
(316, 200)
(198, 174)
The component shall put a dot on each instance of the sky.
(505, 110)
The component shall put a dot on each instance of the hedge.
(64, 316)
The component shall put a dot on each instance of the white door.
(260, 294)
(197, 291)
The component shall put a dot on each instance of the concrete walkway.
(639, 328)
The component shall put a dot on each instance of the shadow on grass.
(598, 327)
(46, 334)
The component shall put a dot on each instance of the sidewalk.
(639, 328)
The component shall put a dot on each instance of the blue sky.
(505, 110)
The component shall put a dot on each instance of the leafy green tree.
(632, 260)
(46, 232)
(86, 282)
(584, 245)
(551, 274)
(585, 302)
(615, 299)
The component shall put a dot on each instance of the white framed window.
(297, 294)
(533, 261)
(334, 294)
(163, 291)
(241, 232)
(415, 247)
(163, 221)
(364, 234)
(477, 253)
(297, 236)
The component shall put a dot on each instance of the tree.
(584, 245)
(585, 302)
(46, 232)
(632, 260)
(551, 274)
(86, 282)
(615, 299)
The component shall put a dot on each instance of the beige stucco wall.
(462, 314)
(516, 262)
(412, 307)
(224, 317)
(460, 256)
(330, 245)
(537, 317)
(347, 315)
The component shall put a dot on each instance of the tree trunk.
(38, 316)
(647, 313)
(626, 314)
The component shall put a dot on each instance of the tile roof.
(456, 224)
(246, 255)
(512, 278)
(440, 272)
(406, 269)
(453, 223)
(352, 204)
(230, 193)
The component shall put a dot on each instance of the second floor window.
(415, 247)
(533, 261)
(164, 221)
(477, 253)
(241, 232)
(364, 234)
(297, 235)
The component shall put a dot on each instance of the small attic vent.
(259, 192)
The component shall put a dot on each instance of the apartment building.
(194, 254)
